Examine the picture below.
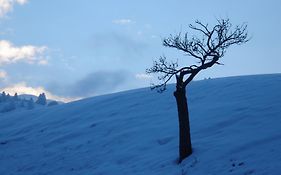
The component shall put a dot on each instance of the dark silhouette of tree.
(41, 99)
(3, 97)
(16, 97)
(206, 48)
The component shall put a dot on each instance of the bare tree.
(207, 48)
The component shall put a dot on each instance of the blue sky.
(76, 49)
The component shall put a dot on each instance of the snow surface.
(235, 127)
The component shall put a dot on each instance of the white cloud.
(42, 62)
(143, 76)
(3, 75)
(22, 88)
(28, 53)
(21, 2)
(7, 6)
(122, 21)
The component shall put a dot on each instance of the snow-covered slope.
(235, 123)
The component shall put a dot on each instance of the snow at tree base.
(235, 129)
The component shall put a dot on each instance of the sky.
(77, 49)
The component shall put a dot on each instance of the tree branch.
(208, 49)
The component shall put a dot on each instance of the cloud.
(42, 62)
(28, 53)
(21, 2)
(22, 88)
(3, 75)
(7, 6)
(122, 21)
(99, 82)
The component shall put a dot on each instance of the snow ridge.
(235, 128)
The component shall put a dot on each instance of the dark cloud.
(100, 82)
(95, 83)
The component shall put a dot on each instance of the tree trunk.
(185, 148)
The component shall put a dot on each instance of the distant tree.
(3, 96)
(41, 99)
(207, 48)
(8, 96)
(16, 98)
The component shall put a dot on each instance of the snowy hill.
(235, 128)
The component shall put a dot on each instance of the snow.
(235, 128)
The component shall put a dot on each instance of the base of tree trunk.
(185, 147)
